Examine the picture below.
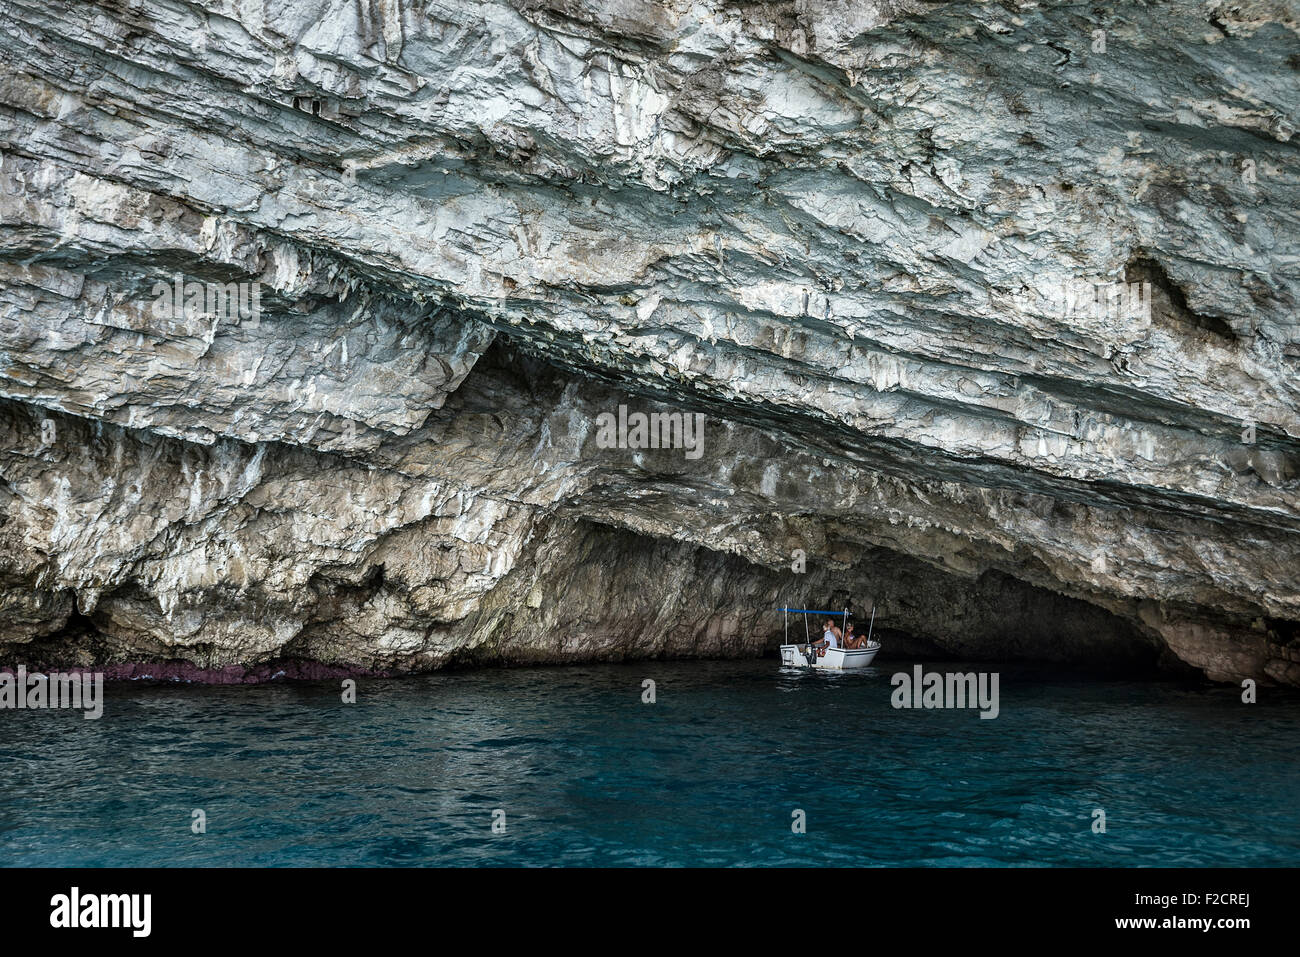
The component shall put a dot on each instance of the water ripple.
(711, 774)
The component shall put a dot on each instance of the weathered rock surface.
(838, 230)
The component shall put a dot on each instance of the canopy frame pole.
(873, 622)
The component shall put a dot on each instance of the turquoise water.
(710, 774)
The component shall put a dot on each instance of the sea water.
(732, 763)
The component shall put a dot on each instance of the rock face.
(989, 311)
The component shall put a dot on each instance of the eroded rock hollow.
(451, 235)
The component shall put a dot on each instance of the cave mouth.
(610, 598)
(613, 589)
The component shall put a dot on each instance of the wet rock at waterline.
(989, 311)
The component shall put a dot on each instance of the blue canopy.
(813, 611)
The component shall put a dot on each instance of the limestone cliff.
(850, 234)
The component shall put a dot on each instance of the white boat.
(830, 659)
(833, 659)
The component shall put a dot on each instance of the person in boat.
(856, 641)
(830, 638)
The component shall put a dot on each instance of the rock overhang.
(792, 219)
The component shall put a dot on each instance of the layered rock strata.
(850, 235)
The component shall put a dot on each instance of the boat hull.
(835, 659)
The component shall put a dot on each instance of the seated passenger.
(829, 638)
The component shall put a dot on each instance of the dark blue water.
(586, 774)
